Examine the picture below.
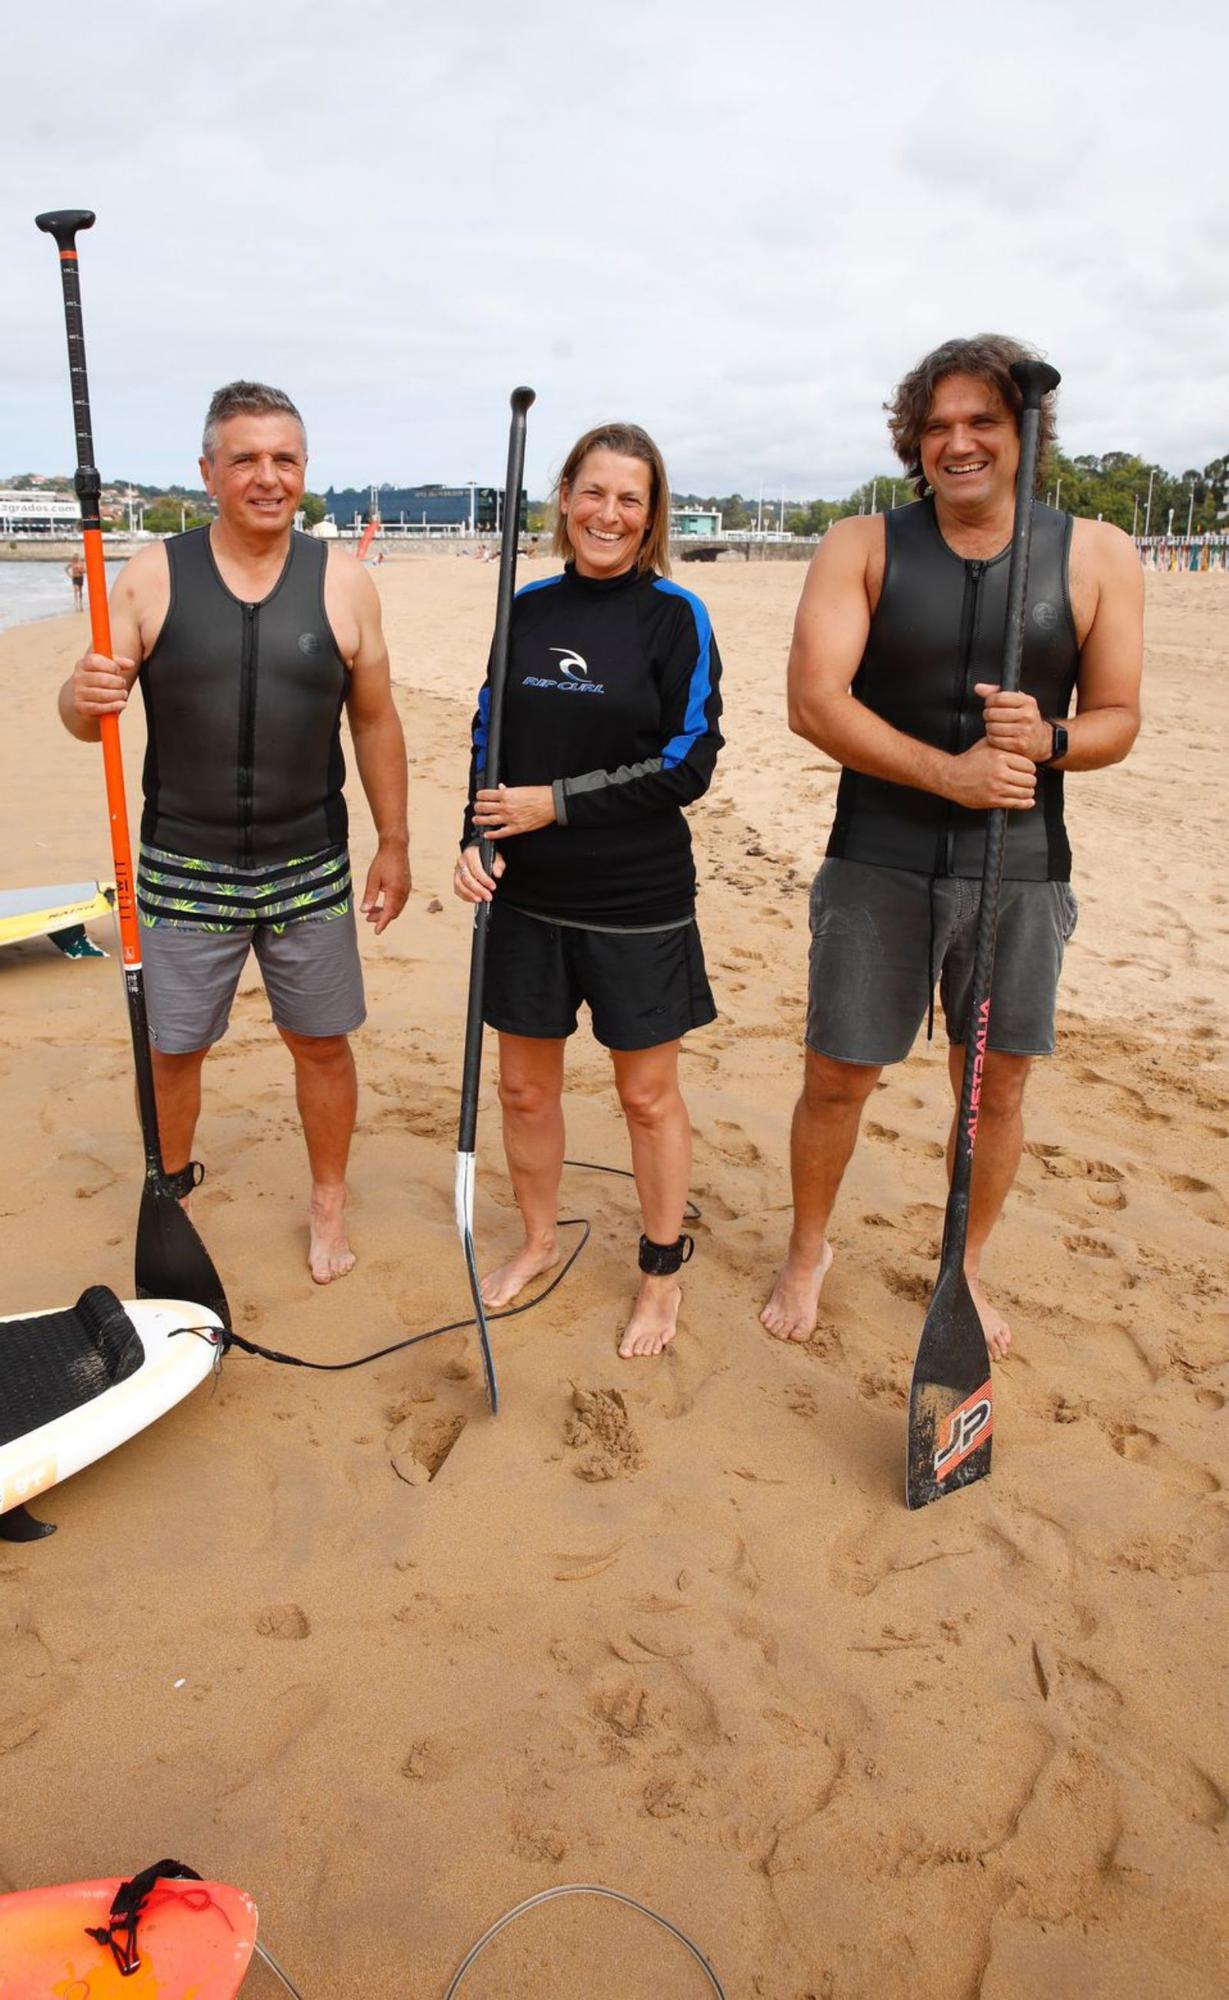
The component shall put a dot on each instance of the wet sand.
(663, 1625)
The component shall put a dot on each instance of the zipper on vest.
(973, 573)
(247, 735)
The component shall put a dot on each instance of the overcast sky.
(734, 224)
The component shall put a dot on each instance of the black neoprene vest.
(937, 631)
(243, 703)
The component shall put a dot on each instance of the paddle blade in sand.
(951, 1402)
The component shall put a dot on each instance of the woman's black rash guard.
(612, 699)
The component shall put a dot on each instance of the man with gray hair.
(249, 639)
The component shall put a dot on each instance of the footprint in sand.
(1204, 1198)
(273, 1730)
(1104, 1179)
(733, 1142)
(419, 1444)
(1202, 1346)
(1142, 1447)
(283, 1621)
(1103, 1714)
(98, 1180)
(1089, 1246)
(916, 1286)
(33, 1683)
(876, 1387)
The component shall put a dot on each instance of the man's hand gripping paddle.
(466, 1136)
(171, 1260)
(951, 1402)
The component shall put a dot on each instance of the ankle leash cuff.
(662, 1260)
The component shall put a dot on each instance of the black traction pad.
(57, 1361)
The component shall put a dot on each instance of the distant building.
(419, 509)
(685, 521)
(38, 512)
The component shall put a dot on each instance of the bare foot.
(329, 1254)
(994, 1326)
(654, 1320)
(501, 1286)
(793, 1309)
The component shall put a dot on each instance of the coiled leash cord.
(231, 1339)
(532, 1903)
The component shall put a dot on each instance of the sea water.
(39, 590)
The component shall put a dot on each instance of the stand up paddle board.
(77, 1382)
(58, 913)
(192, 1939)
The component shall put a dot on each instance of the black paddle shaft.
(521, 401)
(63, 224)
(1034, 379)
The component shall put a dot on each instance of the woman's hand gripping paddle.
(951, 1402)
(171, 1260)
(467, 1133)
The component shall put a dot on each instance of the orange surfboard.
(195, 1941)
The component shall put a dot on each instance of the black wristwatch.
(1058, 741)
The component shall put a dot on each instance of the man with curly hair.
(893, 672)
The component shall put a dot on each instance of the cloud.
(737, 225)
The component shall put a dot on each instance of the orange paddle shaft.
(63, 225)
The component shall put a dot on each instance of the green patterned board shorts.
(199, 922)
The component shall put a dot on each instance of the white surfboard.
(175, 1361)
(32, 913)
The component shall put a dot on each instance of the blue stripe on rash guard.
(695, 721)
(480, 727)
(539, 583)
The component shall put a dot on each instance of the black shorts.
(642, 988)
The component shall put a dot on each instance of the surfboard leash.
(228, 1338)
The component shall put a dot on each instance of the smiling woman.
(610, 729)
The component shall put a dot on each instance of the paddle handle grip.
(63, 225)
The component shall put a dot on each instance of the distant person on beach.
(610, 729)
(249, 639)
(893, 672)
(75, 572)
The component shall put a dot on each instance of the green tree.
(312, 508)
(166, 516)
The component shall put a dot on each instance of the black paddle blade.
(171, 1260)
(951, 1402)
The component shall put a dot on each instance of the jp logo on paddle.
(968, 1426)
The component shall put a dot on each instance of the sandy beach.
(392, 1666)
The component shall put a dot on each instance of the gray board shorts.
(311, 972)
(871, 964)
